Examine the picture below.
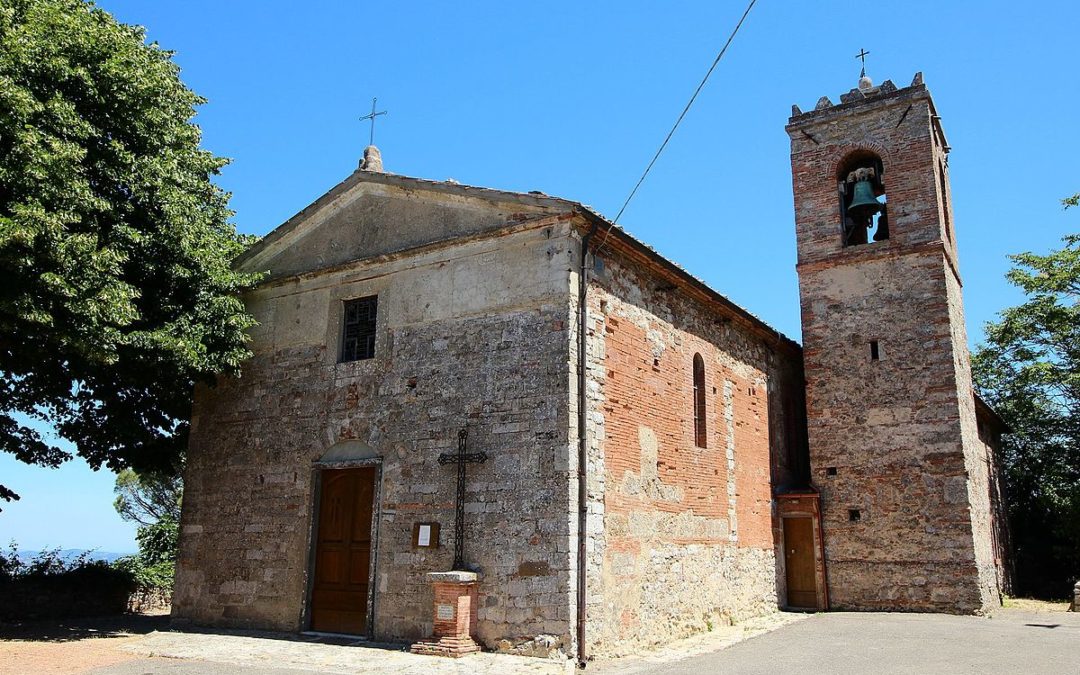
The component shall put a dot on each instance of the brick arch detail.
(841, 154)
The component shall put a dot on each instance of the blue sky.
(573, 98)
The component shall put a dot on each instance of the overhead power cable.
(663, 145)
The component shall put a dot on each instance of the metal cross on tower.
(461, 458)
(861, 56)
(372, 116)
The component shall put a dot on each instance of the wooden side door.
(799, 563)
(341, 585)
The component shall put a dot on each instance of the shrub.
(154, 565)
(49, 585)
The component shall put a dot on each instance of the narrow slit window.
(945, 202)
(875, 351)
(358, 333)
(700, 432)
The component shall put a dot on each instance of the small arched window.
(700, 433)
(863, 211)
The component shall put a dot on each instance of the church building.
(478, 418)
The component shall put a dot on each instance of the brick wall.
(680, 536)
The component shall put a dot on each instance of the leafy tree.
(152, 500)
(115, 244)
(154, 566)
(1029, 370)
(147, 498)
(158, 543)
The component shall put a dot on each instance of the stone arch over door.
(348, 452)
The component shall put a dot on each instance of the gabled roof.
(541, 205)
(530, 199)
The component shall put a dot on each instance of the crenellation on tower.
(886, 92)
(899, 129)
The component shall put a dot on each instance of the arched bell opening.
(863, 208)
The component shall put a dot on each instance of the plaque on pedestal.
(455, 615)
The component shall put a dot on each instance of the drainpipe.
(583, 447)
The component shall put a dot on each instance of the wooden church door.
(341, 588)
(799, 562)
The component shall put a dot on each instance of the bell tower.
(894, 446)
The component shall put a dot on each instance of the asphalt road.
(849, 643)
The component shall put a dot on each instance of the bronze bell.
(863, 202)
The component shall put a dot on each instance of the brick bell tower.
(894, 447)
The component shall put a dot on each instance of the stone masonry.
(477, 324)
(469, 333)
(682, 536)
(893, 440)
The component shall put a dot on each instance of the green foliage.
(118, 293)
(1071, 201)
(1029, 371)
(47, 564)
(158, 542)
(147, 498)
(154, 566)
(49, 585)
(153, 500)
(148, 579)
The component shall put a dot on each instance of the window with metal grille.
(358, 334)
(700, 433)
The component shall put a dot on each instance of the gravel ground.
(74, 646)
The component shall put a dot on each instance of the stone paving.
(252, 652)
(258, 652)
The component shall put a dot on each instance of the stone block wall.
(471, 332)
(680, 536)
(989, 430)
(885, 440)
(978, 460)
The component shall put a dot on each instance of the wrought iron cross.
(461, 458)
(861, 56)
(372, 116)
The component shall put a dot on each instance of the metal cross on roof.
(862, 56)
(372, 116)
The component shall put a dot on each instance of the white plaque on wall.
(425, 535)
(444, 612)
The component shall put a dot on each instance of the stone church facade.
(657, 459)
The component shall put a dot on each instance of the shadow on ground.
(127, 625)
(69, 630)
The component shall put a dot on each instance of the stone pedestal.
(455, 615)
(1075, 607)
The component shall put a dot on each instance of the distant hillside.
(71, 553)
